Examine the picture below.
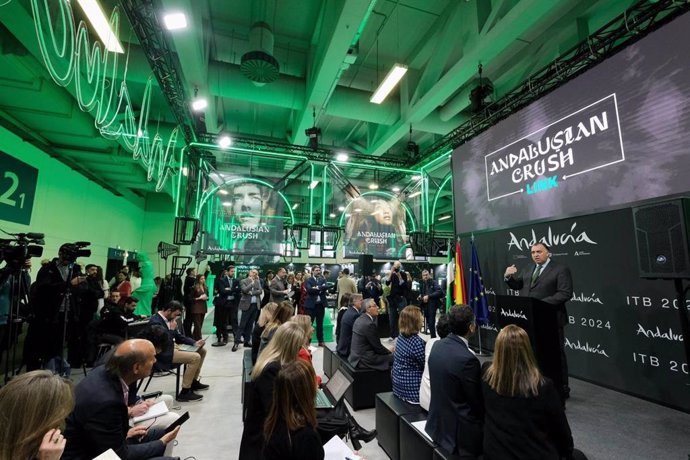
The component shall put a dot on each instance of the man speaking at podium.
(549, 282)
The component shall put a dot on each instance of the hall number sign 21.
(17, 189)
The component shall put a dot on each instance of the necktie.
(535, 275)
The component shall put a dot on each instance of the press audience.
(304, 354)
(282, 349)
(456, 409)
(343, 305)
(408, 358)
(33, 408)
(366, 350)
(443, 330)
(281, 315)
(290, 428)
(524, 418)
(265, 317)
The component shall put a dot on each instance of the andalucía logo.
(551, 238)
(586, 347)
(582, 297)
(513, 314)
(658, 334)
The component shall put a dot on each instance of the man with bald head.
(100, 421)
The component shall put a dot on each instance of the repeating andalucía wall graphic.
(69, 56)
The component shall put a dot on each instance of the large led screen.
(616, 134)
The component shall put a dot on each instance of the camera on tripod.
(72, 251)
(22, 247)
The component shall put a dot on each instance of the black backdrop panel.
(624, 331)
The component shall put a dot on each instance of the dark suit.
(278, 288)
(345, 336)
(430, 288)
(456, 409)
(397, 299)
(316, 302)
(164, 360)
(366, 350)
(259, 399)
(553, 286)
(99, 422)
(229, 294)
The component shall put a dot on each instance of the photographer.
(58, 288)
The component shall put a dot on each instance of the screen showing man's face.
(247, 204)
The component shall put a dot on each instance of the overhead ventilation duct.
(259, 65)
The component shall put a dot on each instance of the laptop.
(336, 387)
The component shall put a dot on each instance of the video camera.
(72, 251)
(23, 246)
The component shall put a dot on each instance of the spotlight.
(224, 142)
(313, 134)
(175, 21)
(199, 104)
(341, 208)
(342, 157)
(396, 189)
(373, 186)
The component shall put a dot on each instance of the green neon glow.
(386, 194)
(373, 165)
(437, 159)
(209, 193)
(325, 189)
(240, 149)
(438, 195)
(179, 181)
(67, 58)
(311, 195)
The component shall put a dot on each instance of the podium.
(541, 322)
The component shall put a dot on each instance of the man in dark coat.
(229, 293)
(315, 305)
(430, 295)
(551, 283)
(100, 421)
(347, 323)
(366, 350)
(456, 409)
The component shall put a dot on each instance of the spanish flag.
(460, 291)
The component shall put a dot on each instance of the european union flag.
(477, 296)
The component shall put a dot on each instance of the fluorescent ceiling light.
(396, 189)
(331, 215)
(342, 157)
(224, 142)
(294, 206)
(392, 79)
(373, 186)
(175, 21)
(341, 208)
(412, 195)
(199, 104)
(223, 192)
(416, 178)
(101, 25)
(357, 210)
(446, 217)
(227, 203)
(185, 170)
(313, 184)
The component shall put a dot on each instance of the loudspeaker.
(366, 264)
(661, 232)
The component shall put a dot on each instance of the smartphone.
(183, 418)
(153, 394)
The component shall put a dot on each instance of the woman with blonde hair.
(408, 358)
(282, 315)
(283, 349)
(33, 408)
(304, 322)
(525, 418)
(265, 316)
(290, 429)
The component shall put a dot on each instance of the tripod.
(18, 296)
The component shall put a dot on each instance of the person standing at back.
(456, 410)
(317, 301)
(397, 299)
(346, 284)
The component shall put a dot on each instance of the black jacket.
(366, 350)
(99, 421)
(259, 399)
(164, 358)
(456, 410)
(345, 336)
(50, 289)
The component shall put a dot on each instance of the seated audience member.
(366, 350)
(115, 318)
(343, 305)
(33, 408)
(524, 417)
(123, 285)
(348, 321)
(193, 359)
(100, 421)
(456, 410)
(443, 330)
(305, 323)
(408, 358)
(283, 349)
(282, 315)
(290, 428)
(265, 317)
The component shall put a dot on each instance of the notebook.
(334, 391)
(185, 347)
(154, 411)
